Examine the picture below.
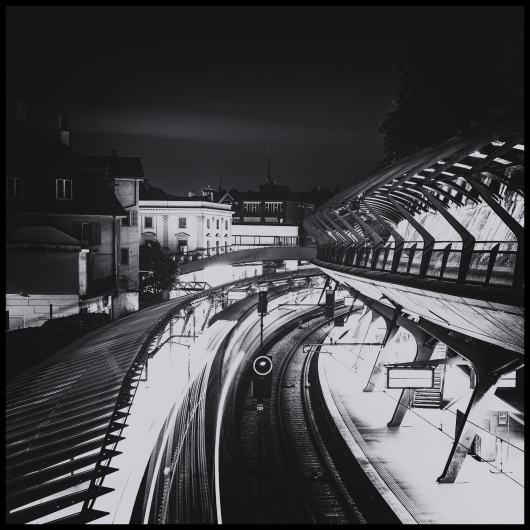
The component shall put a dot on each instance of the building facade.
(63, 230)
(186, 227)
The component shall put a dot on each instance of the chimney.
(63, 130)
(114, 152)
(191, 193)
(20, 114)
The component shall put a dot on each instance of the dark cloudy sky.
(203, 93)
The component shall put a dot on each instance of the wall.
(101, 256)
(35, 309)
(42, 272)
(124, 303)
(128, 192)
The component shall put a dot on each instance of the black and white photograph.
(265, 265)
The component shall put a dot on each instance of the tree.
(458, 68)
(162, 269)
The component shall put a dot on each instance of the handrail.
(491, 266)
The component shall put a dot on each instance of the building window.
(149, 236)
(132, 219)
(90, 232)
(182, 246)
(273, 207)
(14, 188)
(217, 224)
(226, 225)
(207, 223)
(251, 206)
(125, 256)
(148, 222)
(182, 222)
(63, 189)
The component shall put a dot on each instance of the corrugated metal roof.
(65, 416)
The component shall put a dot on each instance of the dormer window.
(14, 187)
(63, 189)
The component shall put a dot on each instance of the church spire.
(269, 177)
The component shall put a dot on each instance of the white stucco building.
(187, 227)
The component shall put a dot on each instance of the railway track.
(319, 496)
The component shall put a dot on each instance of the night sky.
(203, 93)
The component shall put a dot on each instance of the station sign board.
(402, 377)
(236, 295)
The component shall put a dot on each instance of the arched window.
(148, 236)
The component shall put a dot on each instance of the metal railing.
(486, 263)
(202, 253)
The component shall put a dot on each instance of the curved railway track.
(320, 493)
(297, 481)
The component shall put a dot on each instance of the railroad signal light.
(262, 377)
(262, 299)
(329, 310)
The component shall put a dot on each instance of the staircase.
(431, 398)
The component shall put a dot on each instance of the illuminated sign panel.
(410, 378)
(236, 295)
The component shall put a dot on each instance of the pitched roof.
(119, 166)
(40, 161)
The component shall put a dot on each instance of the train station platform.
(404, 462)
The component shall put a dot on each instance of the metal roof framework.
(490, 152)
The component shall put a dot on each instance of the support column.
(382, 357)
(490, 363)
(165, 245)
(478, 405)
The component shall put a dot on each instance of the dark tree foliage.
(459, 67)
(162, 270)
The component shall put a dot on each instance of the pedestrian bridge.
(236, 255)
(435, 244)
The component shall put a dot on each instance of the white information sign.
(410, 377)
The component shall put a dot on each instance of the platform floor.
(414, 455)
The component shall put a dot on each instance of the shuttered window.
(90, 232)
(131, 220)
